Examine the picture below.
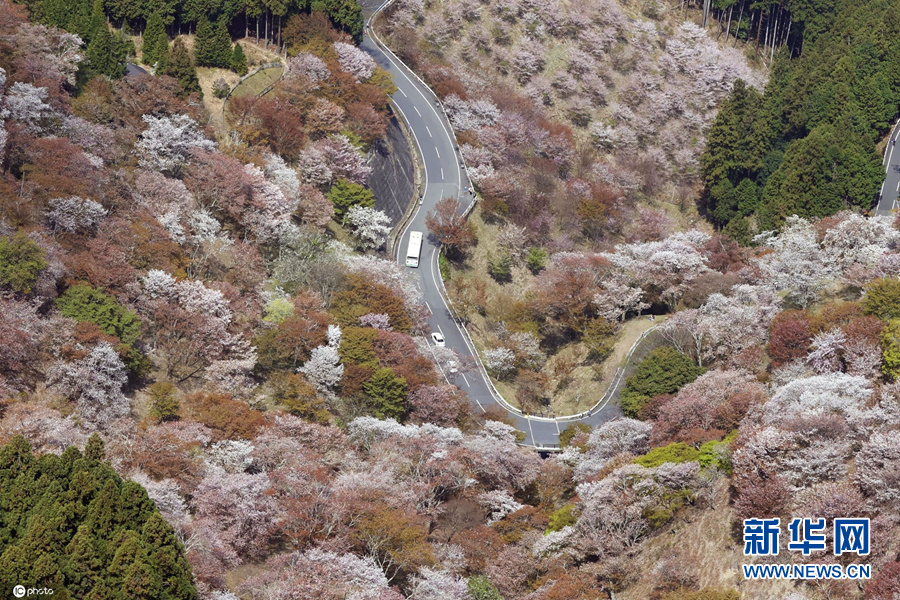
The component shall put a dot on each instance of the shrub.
(86, 304)
(228, 418)
(220, 88)
(164, 403)
(882, 299)
(663, 371)
(678, 452)
(21, 260)
(500, 268)
(536, 260)
(562, 518)
(344, 194)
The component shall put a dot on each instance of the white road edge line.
(424, 189)
(401, 67)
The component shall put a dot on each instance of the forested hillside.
(207, 305)
(807, 145)
(70, 524)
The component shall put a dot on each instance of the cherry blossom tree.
(308, 66)
(798, 264)
(235, 507)
(323, 369)
(321, 574)
(618, 436)
(877, 465)
(167, 143)
(618, 299)
(439, 585)
(354, 61)
(75, 214)
(28, 105)
(343, 160)
(668, 265)
(371, 226)
(95, 383)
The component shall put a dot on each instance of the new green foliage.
(480, 588)
(21, 260)
(69, 522)
(344, 195)
(678, 452)
(387, 393)
(663, 371)
(882, 299)
(84, 303)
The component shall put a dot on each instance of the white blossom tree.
(878, 467)
(354, 61)
(95, 383)
(798, 264)
(74, 214)
(167, 143)
(323, 369)
(370, 226)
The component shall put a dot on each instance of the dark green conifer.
(82, 565)
(181, 67)
(95, 448)
(154, 34)
(239, 61)
(141, 582)
(106, 54)
(204, 44)
(222, 46)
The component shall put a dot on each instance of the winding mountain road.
(890, 189)
(445, 175)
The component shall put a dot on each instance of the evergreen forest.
(807, 145)
(69, 523)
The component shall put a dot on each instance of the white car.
(438, 339)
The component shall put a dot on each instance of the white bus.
(414, 250)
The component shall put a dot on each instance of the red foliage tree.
(449, 226)
(789, 336)
(886, 583)
(759, 498)
(226, 417)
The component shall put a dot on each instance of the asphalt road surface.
(891, 162)
(445, 176)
